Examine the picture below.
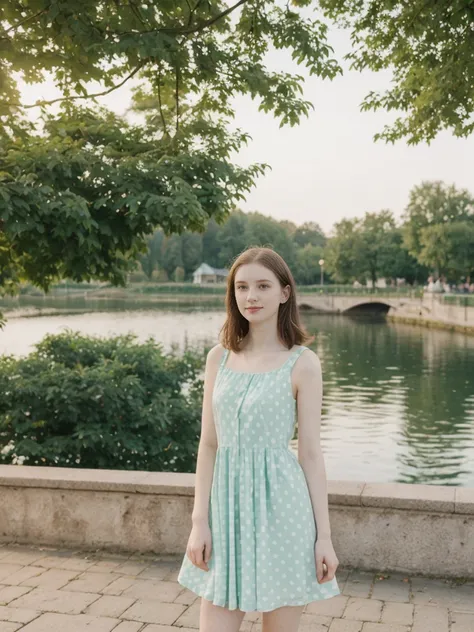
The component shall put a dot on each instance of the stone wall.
(424, 529)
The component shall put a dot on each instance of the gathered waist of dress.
(256, 447)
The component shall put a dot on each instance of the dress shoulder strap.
(295, 355)
(223, 358)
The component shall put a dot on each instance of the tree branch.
(31, 17)
(163, 120)
(80, 96)
(177, 97)
(191, 29)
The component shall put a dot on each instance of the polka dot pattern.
(260, 513)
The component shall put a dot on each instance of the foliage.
(219, 245)
(79, 196)
(152, 258)
(368, 248)
(433, 203)
(112, 403)
(429, 47)
(449, 249)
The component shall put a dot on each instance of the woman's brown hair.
(236, 326)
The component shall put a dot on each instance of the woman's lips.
(253, 309)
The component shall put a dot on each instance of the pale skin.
(262, 350)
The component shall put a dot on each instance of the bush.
(91, 402)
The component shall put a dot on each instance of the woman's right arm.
(208, 441)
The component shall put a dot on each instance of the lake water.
(398, 399)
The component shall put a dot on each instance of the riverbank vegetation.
(111, 403)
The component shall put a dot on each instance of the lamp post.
(321, 263)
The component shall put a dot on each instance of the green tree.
(376, 246)
(210, 243)
(79, 194)
(434, 203)
(266, 231)
(172, 255)
(399, 264)
(191, 253)
(231, 238)
(307, 269)
(364, 248)
(152, 258)
(309, 233)
(428, 46)
(341, 251)
(448, 249)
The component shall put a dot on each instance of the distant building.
(207, 274)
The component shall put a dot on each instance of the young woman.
(260, 538)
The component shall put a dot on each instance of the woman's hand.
(199, 545)
(326, 560)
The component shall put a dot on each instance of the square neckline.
(225, 355)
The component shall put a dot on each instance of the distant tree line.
(435, 236)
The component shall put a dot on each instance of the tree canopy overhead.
(429, 46)
(79, 198)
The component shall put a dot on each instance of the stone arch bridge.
(429, 308)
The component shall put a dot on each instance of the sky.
(329, 167)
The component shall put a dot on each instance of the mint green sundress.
(260, 512)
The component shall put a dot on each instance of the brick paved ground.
(49, 590)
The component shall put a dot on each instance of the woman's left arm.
(309, 385)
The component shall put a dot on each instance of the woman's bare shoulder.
(215, 354)
(308, 362)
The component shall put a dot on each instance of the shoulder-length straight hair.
(236, 326)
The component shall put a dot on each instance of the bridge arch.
(369, 307)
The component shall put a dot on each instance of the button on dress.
(260, 512)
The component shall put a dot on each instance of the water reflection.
(398, 399)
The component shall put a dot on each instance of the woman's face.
(258, 292)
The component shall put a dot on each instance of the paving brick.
(462, 622)
(394, 588)
(23, 557)
(51, 579)
(155, 572)
(160, 590)
(170, 628)
(130, 626)
(358, 584)
(90, 582)
(69, 564)
(430, 619)
(343, 625)
(64, 622)
(22, 575)
(6, 570)
(63, 601)
(363, 609)
(186, 597)
(131, 568)
(313, 623)
(118, 586)
(8, 626)
(53, 590)
(8, 593)
(18, 615)
(401, 613)
(190, 617)
(443, 593)
(333, 607)
(250, 616)
(385, 627)
(109, 606)
(153, 611)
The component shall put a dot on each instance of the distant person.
(258, 541)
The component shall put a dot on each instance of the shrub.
(92, 402)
